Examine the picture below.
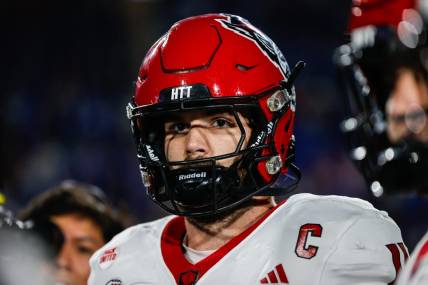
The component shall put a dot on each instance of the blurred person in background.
(384, 72)
(213, 119)
(86, 221)
(26, 251)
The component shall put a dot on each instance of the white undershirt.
(194, 256)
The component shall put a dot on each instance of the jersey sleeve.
(102, 261)
(415, 272)
(370, 252)
(96, 275)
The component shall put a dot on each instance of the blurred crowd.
(67, 74)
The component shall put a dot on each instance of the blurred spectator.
(24, 253)
(86, 220)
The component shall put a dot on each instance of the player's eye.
(178, 128)
(222, 123)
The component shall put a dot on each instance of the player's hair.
(72, 197)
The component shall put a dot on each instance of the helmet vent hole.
(142, 78)
(287, 126)
(242, 67)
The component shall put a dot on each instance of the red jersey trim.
(423, 253)
(172, 251)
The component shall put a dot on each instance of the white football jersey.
(415, 272)
(306, 240)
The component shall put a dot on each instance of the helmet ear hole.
(287, 127)
(282, 150)
(143, 77)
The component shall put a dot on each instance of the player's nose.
(196, 143)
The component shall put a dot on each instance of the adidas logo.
(276, 276)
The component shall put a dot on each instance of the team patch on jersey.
(114, 282)
(107, 258)
(189, 277)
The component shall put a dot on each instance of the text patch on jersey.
(108, 257)
(184, 92)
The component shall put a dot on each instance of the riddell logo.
(269, 127)
(259, 139)
(192, 175)
(152, 154)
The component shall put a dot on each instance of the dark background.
(67, 69)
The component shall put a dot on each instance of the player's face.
(196, 135)
(406, 108)
(81, 238)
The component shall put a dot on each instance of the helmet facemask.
(204, 186)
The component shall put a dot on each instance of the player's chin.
(227, 216)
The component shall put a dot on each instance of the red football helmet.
(386, 36)
(215, 62)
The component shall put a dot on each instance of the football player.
(213, 116)
(384, 72)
